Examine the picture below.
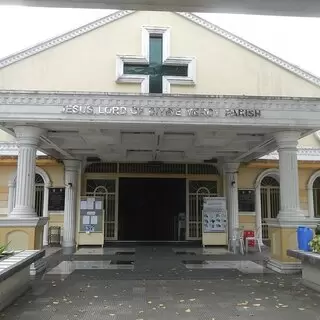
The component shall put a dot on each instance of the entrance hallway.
(149, 208)
(153, 283)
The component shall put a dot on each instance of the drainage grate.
(122, 262)
(194, 262)
(189, 253)
(124, 253)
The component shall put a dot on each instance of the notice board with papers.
(91, 221)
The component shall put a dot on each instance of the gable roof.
(189, 16)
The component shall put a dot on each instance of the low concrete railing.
(310, 265)
(15, 275)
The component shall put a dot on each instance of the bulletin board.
(91, 224)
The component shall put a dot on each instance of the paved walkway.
(149, 283)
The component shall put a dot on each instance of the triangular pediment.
(85, 59)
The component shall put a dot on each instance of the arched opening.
(270, 202)
(316, 197)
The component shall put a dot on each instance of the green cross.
(155, 69)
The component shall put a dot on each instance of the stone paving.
(156, 283)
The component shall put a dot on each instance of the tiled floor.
(158, 285)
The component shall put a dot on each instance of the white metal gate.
(196, 191)
(270, 202)
(106, 189)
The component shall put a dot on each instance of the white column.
(258, 213)
(11, 187)
(310, 202)
(231, 172)
(71, 168)
(289, 178)
(28, 138)
(46, 214)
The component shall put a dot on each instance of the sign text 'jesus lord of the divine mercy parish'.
(160, 111)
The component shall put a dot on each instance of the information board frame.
(88, 214)
(251, 203)
(52, 191)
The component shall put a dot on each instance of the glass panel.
(269, 181)
(38, 179)
(155, 51)
(178, 71)
(136, 69)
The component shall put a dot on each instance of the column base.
(284, 267)
(22, 234)
(292, 216)
(38, 267)
(283, 236)
(68, 250)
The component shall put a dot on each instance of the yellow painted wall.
(248, 222)
(247, 177)
(310, 141)
(56, 220)
(6, 137)
(222, 68)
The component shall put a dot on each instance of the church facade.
(118, 131)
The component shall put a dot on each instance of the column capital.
(231, 167)
(28, 134)
(287, 139)
(71, 165)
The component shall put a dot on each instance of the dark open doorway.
(149, 208)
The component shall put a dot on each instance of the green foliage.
(317, 230)
(3, 248)
(315, 244)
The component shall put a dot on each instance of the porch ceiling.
(170, 143)
(155, 143)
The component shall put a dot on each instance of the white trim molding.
(11, 149)
(144, 59)
(303, 153)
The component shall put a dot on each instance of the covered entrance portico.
(227, 131)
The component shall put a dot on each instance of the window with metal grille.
(156, 168)
(270, 202)
(39, 195)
